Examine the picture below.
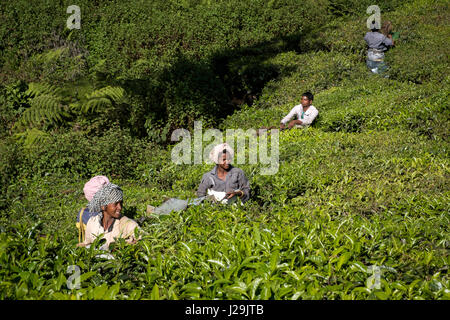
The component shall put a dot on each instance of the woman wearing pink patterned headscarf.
(84, 215)
(104, 214)
(93, 185)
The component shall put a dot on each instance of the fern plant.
(46, 105)
(31, 137)
(101, 99)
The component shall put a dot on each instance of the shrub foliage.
(363, 191)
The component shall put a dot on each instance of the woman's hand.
(132, 241)
(238, 193)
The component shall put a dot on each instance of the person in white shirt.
(305, 113)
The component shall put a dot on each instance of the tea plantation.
(359, 207)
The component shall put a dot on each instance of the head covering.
(93, 185)
(218, 150)
(109, 193)
(386, 28)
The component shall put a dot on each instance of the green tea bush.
(73, 153)
(14, 99)
(167, 45)
(56, 66)
(24, 28)
(162, 28)
(381, 105)
(236, 254)
(375, 104)
(310, 232)
(312, 72)
(11, 160)
(357, 8)
(365, 188)
(419, 52)
(305, 171)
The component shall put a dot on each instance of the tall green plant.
(46, 105)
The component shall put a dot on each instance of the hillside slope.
(359, 208)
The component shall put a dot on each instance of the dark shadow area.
(205, 89)
(130, 212)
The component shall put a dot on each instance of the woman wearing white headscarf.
(224, 177)
(224, 183)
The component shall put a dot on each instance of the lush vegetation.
(365, 188)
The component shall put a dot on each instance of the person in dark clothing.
(224, 184)
(378, 43)
(224, 177)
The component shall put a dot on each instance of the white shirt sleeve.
(291, 114)
(309, 118)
